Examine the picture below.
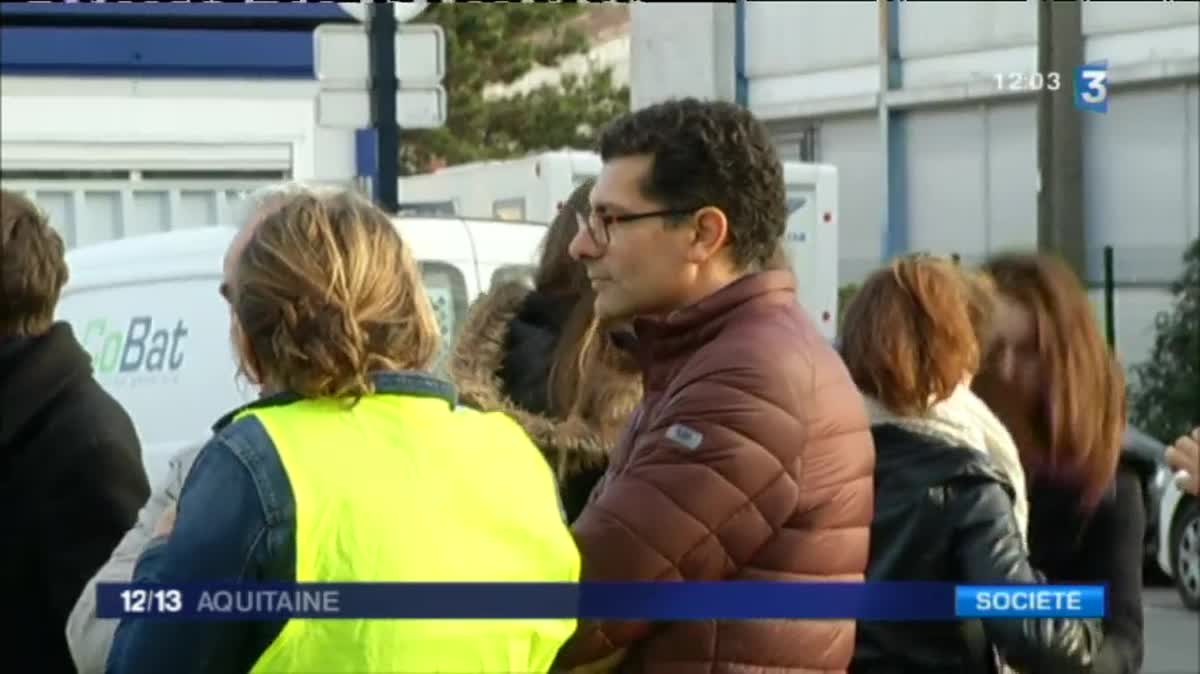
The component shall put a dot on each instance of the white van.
(524, 189)
(811, 239)
(148, 310)
(531, 188)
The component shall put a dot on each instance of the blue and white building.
(129, 118)
(931, 153)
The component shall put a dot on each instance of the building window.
(800, 146)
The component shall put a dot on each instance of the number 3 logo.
(1091, 87)
(1096, 89)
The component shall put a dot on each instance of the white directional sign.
(342, 54)
(405, 11)
(416, 108)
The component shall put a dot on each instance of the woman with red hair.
(1051, 378)
(946, 497)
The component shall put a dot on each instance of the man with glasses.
(750, 457)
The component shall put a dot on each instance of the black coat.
(943, 513)
(1105, 546)
(71, 484)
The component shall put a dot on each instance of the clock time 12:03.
(1034, 81)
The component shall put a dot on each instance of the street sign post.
(416, 108)
(342, 61)
(341, 54)
(359, 71)
(404, 11)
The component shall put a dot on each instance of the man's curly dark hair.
(709, 153)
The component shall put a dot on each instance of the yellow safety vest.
(405, 488)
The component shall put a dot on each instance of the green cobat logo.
(142, 346)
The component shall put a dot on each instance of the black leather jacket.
(943, 513)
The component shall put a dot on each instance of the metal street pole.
(381, 36)
(1060, 149)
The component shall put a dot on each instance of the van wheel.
(1185, 549)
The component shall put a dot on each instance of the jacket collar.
(393, 383)
(476, 366)
(664, 341)
(963, 420)
(34, 372)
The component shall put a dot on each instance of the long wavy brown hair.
(326, 293)
(1072, 431)
(589, 374)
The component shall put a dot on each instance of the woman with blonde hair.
(356, 465)
(943, 510)
(539, 355)
(1050, 376)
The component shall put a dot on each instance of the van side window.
(521, 273)
(511, 210)
(447, 290)
(426, 208)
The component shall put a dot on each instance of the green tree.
(498, 43)
(1166, 389)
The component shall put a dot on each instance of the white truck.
(525, 189)
(811, 239)
(531, 188)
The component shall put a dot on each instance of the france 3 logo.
(1091, 87)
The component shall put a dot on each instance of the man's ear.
(711, 233)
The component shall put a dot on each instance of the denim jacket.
(236, 521)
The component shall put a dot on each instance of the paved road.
(1172, 642)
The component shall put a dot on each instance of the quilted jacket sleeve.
(700, 495)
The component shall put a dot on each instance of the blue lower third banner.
(658, 601)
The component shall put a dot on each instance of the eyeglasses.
(597, 224)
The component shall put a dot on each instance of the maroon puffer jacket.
(750, 458)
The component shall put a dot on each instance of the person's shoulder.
(87, 417)
(914, 458)
(1126, 488)
(495, 426)
(247, 437)
(770, 340)
(776, 353)
(244, 453)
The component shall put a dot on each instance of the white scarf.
(965, 420)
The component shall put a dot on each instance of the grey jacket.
(88, 637)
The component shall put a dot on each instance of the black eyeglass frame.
(597, 224)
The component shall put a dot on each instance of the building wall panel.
(682, 40)
(1120, 17)
(946, 180)
(853, 145)
(938, 29)
(1011, 194)
(1139, 184)
(230, 122)
(790, 38)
